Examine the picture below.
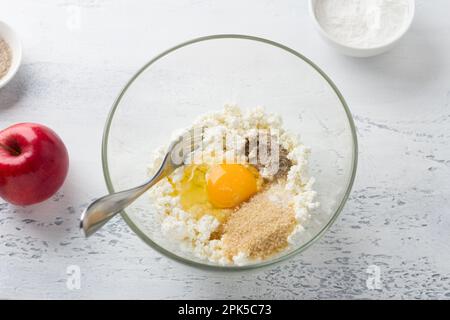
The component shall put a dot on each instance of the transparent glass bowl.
(203, 75)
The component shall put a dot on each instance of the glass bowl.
(203, 75)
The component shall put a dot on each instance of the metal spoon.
(103, 209)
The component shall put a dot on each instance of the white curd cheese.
(194, 235)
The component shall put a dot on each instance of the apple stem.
(9, 149)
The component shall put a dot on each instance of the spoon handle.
(103, 209)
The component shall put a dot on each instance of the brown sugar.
(259, 228)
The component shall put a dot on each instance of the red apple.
(33, 163)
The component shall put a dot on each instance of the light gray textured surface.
(398, 215)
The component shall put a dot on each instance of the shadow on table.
(54, 219)
(14, 90)
(412, 65)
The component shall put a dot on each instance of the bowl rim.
(406, 27)
(16, 53)
(205, 265)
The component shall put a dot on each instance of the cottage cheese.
(194, 235)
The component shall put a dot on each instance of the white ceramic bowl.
(356, 51)
(11, 38)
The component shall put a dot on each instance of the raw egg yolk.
(228, 185)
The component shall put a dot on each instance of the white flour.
(362, 23)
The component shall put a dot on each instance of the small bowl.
(356, 51)
(11, 38)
